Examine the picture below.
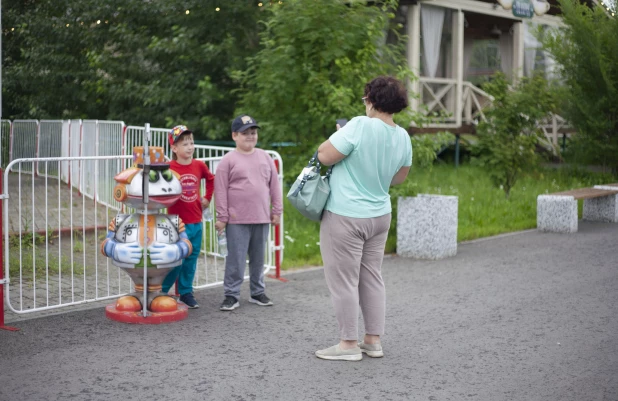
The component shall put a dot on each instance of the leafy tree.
(137, 61)
(170, 67)
(44, 60)
(586, 51)
(508, 139)
(315, 59)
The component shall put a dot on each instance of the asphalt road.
(531, 316)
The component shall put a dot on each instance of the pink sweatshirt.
(245, 187)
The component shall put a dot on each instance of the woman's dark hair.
(387, 94)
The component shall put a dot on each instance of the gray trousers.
(243, 240)
(352, 252)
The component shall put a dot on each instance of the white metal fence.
(57, 209)
(5, 142)
(24, 145)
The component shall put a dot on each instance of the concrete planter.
(427, 226)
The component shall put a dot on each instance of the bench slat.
(588, 193)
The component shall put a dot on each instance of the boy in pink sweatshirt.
(246, 185)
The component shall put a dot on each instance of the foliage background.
(145, 61)
(314, 61)
(586, 51)
(508, 139)
(294, 65)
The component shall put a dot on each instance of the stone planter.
(427, 226)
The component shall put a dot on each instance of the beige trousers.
(352, 251)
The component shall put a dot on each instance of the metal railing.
(52, 239)
(5, 142)
(57, 209)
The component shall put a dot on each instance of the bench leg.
(556, 214)
(604, 208)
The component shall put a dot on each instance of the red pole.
(277, 245)
(277, 253)
(2, 326)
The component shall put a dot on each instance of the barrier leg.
(277, 274)
(2, 280)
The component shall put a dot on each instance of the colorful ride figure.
(167, 243)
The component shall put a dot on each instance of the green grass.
(35, 260)
(301, 238)
(483, 210)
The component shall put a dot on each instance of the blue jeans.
(186, 271)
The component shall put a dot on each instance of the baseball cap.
(175, 133)
(243, 122)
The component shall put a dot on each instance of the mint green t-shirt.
(375, 151)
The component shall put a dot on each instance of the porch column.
(458, 56)
(518, 51)
(414, 52)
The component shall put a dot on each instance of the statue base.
(153, 317)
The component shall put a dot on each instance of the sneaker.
(229, 303)
(335, 353)
(189, 300)
(372, 350)
(261, 300)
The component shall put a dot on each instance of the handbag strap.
(314, 161)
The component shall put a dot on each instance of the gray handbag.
(310, 191)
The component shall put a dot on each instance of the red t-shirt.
(189, 206)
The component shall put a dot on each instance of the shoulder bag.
(310, 191)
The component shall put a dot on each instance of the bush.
(508, 139)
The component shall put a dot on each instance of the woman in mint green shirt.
(370, 154)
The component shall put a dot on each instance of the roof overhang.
(490, 9)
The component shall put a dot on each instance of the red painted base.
(277, 278)
(152, 318)
(9, 328)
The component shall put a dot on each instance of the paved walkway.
(523, 317)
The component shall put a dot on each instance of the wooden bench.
(557, 212)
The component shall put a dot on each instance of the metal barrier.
(52, 235)
(52, 238)
(75, 130)
(5, 142)
(135, 137)
(50, 143)
(24, 145)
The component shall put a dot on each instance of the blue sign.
(523, 9)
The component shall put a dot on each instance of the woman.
(371, 153)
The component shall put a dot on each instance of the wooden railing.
(439, 100)
(474, 101)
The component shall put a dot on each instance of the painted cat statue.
(162, 235)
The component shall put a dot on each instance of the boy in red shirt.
(189, 207)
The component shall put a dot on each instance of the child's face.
(246, 140)
(184, 147)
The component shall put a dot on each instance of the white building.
(455, 45)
